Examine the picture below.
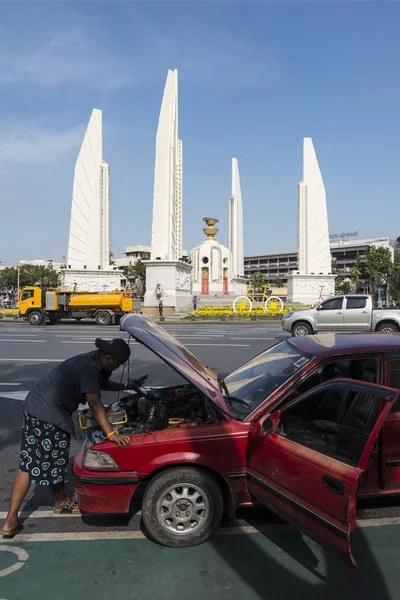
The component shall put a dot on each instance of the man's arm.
(99, 413)
(113, 386)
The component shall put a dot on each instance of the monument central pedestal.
(306, 289)
(169, 280)
(92, 280)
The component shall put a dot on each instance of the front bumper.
(286, 325)
(103, 492)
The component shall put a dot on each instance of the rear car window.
(356, 302)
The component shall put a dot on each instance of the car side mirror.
(270, 423)
(267, 426)
(318, 307)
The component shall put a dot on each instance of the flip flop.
(10, 533)
(69, 508)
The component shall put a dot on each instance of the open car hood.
(175, 354)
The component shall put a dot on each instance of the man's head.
(113, 353)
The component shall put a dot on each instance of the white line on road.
(24, 341)
(89, 342)
(230, 345)
(10, 384)
(21, 395)
(18, 334)
(252, 338)
(37, 514)
(36, 360)
(132, 535)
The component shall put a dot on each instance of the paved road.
(27, 352)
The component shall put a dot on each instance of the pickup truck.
(350, 312)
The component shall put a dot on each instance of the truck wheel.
(387, 328)
(103, 318)
(182, 507)
(35, 317)
(301, 328)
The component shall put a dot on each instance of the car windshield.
(252, 383)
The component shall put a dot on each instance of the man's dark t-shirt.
(55, 397)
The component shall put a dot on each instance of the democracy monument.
(212, 272)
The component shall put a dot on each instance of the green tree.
(258, 279)
(377, 267)
(277, 282)
(136, 271)
(8, 279)
(395, 278)
(111, 259)
(41, 275)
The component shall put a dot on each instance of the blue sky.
(255, 78)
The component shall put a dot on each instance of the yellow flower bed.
(216, 312)
(9, 312)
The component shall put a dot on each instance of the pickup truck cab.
(349, 312)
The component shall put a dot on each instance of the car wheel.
(103, 318)
(182, 507)
(301, 328)
(387, 328)
(35, 318)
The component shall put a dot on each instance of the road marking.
(37, 360)
(39, 514)
(22, 556)
(242, 529)
(252, 338)
(10, 384)
(14, 395)
(24, 341)
(229, 345)
(18, 334)
(88, 342)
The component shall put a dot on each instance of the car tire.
(35, 318)
(103, 318)
(387, 328)
(301, 328)
(182, 507)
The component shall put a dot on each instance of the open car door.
(305, 462)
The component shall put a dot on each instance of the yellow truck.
(41, 305)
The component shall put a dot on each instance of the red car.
(304, 428)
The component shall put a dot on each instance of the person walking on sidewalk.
(48, 426)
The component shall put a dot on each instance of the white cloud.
(33, 143)
(65, 58)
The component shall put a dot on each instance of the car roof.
(344, 343)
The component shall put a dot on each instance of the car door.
(329, 315)
(391, 430)
(357, 314)
(309, 477)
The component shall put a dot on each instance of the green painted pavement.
(281, 565)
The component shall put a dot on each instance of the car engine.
(165, 408)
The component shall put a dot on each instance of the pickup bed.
(350, 312)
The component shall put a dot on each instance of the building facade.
(132, 255)
(279, 265)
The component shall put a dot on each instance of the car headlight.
(94, 459)
(288, 314)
